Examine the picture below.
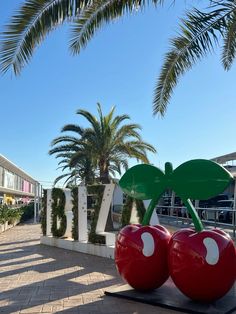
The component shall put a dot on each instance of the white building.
(16, 186)
(229, 162)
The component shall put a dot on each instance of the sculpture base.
(168, 296)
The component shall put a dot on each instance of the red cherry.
(202, 264)
(141, 256)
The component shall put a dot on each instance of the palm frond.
(29, 26)
(126, 131)
(63, 176)
(199, 35)
(65, 155)
(118, 120)
(73, 128)
(140, 155)
(78, 157)
(66, 138)
(64, 163)
(101, 118)
(144, 146)
(91, 119)
(61, 149)
(229, 47)
(101, 12)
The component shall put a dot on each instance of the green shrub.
(4, 213)
(9, 215)
(97, 191)
(75, 203)
(58, 212)
(27, 212)
(43, 213)
(14, 214)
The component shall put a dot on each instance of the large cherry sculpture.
(141, 256)
(202, 262)
(142, 250)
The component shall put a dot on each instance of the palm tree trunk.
(104, 173)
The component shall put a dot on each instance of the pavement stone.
(35, 278)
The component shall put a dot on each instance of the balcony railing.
(217, 217)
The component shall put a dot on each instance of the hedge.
(58, 212)
(97, 191)
(75, 203)
(43, 214)
(27, 212)
(12, 215)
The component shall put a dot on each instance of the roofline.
(6, 163)
(224, 158)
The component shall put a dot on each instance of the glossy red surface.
(189, 268)
(139, 271)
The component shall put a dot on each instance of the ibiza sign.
(61, 208)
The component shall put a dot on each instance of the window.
(8, 179)
(1, 176)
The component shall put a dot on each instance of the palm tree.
(106, 143)
(200, 32)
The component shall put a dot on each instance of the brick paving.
(40, 279)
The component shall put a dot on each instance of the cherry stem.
(195, 218)
(150, 209)
(154, 201)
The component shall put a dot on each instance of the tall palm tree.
(200, 32)
(107, 143)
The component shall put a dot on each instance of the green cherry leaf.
(200, 179)
(143, 182)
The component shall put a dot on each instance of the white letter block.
(48, 212)
(82, 214)
(68, 213)
(103, 215)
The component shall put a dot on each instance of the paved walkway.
(38, 279)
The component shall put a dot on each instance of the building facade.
(16, 186)
(229, 162)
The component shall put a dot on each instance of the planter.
(6, 226)
(82, 247)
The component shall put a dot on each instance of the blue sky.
(118, 67)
